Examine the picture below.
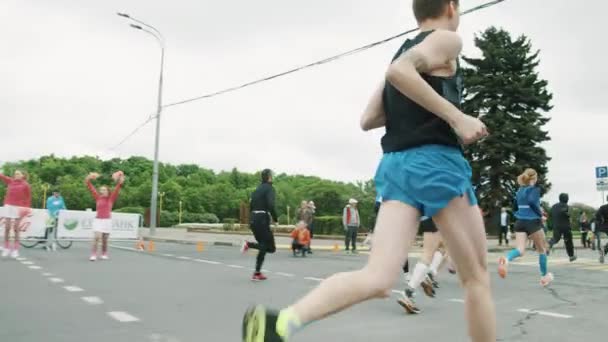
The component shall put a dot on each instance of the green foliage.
(201, 191)
(504, 89)
(329, 225)
(131, 210)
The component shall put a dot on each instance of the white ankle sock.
(418, 275)
(437, 259)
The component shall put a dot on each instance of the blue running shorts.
(426, 178)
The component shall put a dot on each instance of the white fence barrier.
(33, 225)
(73, 224)
(79, 225)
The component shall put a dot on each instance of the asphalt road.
(178, 294)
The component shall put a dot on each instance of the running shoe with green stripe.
(259, 325)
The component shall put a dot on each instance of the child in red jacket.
(17, 203)
(301, 239)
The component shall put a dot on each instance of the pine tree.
(504, 89)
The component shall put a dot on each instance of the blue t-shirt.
(54, 204)
(528, 203)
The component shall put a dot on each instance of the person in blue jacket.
(54, 204)
(528, 225)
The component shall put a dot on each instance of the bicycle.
(51, 228)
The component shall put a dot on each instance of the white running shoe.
(105, 257)
(93, 258)
(6, 252)
(546, 280)
(15, 254)
(244, 247)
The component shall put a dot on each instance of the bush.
(188, 217)
(328, 225)
(230, 221)
(209, 218)
(131, 210)
(283, 219)
(168, 218)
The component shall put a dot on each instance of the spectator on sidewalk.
(351, 222)
(585, 227)
(560, 217)
(311, 225)
(504, 227)
(301, 239)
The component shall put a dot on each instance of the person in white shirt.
(504, 227)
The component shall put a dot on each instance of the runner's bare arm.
(436, 51)
(5, 179)
(374, 116)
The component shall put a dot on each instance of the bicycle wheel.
(64, 244)
(30, 242)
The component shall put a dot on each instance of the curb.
(238, 244)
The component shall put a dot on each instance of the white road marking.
(169, 255)
(285, 274)
(27, 262)
(73, 289)
(544, 313)
(123, 317)
(92, 300)
(47, 274)
(207, 261)
(21, 259)
(313, 278)
(456, 300)
(184, 258)
(34, 267)
(56, 280)
(236, 266)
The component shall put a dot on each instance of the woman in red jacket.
(104, 200)
(17, 203)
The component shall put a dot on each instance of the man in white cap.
(311, 226)
(351, 222)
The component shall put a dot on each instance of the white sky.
(79, 80)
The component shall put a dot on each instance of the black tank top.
(408, 124)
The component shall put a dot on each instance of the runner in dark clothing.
(601, 226)
(561, 225)
(262, 214)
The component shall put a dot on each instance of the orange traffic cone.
(200, 247)
(140, 246)
(151, 246)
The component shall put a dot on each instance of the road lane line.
(208, 261)
(92, 300)
(56, 280)
(123, 317)
(285, 274)
(236, 266)
(313, 279)
(34, 267)
(73, 289)
(456, 300)
(27, 262)
(544, 313)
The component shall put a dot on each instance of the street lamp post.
(180, 212)
(156, 34)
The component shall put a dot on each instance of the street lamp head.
(124, 15)
(136, 26)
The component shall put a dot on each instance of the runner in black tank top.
(422, 173)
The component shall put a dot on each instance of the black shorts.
(528, 226)
(428, 226)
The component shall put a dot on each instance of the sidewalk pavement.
(220, 238)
